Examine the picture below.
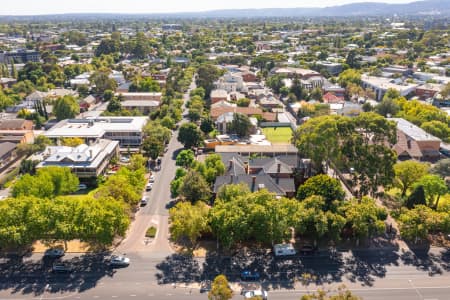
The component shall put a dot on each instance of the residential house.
(85, 161)
(415, 143)
(6, 82)
(6, 153)
(248, 111)
(231, 82)
(17, 131)
(87, 103)
(331, 67)
(218, 96)
(224, 120)
(428, 90)
(276, 174)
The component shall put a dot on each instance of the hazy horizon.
(44, 7)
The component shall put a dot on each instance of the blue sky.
(18, 7)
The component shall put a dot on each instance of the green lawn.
(278, 135)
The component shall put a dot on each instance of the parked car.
(62, 267)
(151, 179)
(256, 293)
(205, 286)
(144, 201)
(54, 253)
(307, 250)
(82, 186)
(119, 261)
(124, 159)
(284, 250)
(248, 275)
(149, 187)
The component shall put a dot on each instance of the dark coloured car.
(307, 250)
(248, 275)
(62, 267)
(54, 253)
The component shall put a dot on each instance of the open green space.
(278, 135)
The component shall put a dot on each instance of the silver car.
(119, 261)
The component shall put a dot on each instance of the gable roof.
(6, 147)
(280, 186)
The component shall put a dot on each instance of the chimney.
(278, 173)
(247, 168)
(253, 183)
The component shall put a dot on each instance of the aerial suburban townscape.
(225, 152)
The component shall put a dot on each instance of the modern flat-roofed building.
(380, 85)
(126, 130)
(85, 161)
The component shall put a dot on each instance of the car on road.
(256, 294)
(307, 250)
(54, 253)
(149, 187)
(248, 275)
(144, 201)
(205, 286)
(151, 179)
(62, 267)
(119, 261)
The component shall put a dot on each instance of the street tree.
(195, 188)
(220, 289)
(188, 221)
(364, 217)
(189, 135)
(322, 185)
(153, 147)
(206, 76)
(207, 125)
(185, 158)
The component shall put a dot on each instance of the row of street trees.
(239, 216)
(42, 208)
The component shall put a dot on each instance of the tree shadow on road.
(426, 261)
(178, 268)
(36, 277)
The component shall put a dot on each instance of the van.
(284, 250)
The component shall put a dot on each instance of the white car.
(124, 159)
(149, 187)
(256, 293)
(151, 179)
(144, 201)
(119, 261)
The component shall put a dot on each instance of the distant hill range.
(418, 8)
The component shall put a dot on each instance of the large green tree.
(220, 289)
(407, 173)
(66, 107)
(188, 221)
(322, 185)
(189, 135)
